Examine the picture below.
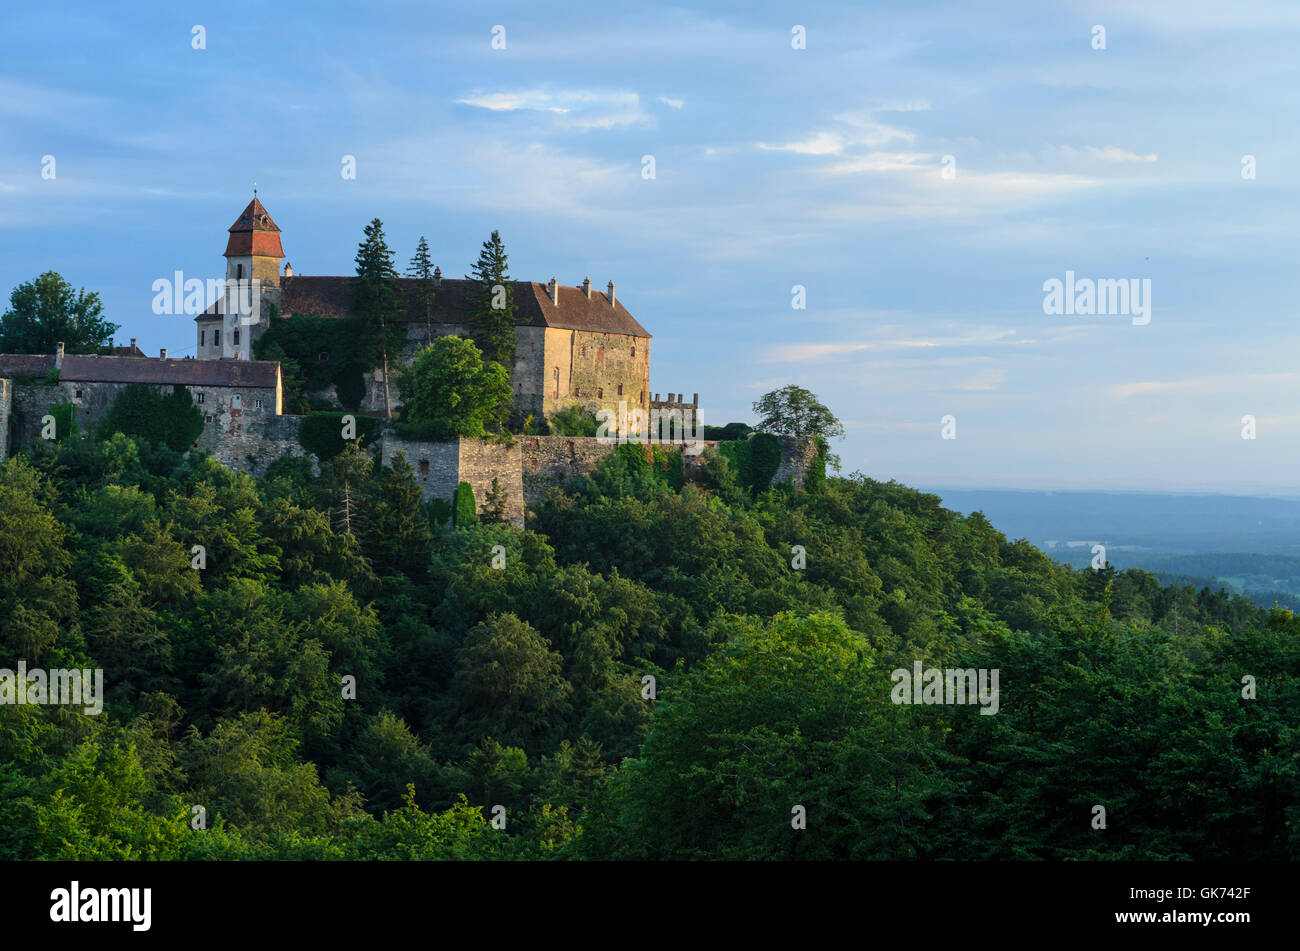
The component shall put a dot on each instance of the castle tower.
(253, 250)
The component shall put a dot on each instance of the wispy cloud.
(580, 109)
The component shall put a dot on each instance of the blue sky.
(774, 167)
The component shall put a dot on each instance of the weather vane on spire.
(254, 189)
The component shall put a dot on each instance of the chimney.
(132, 343)
(611, 293)
(288, 269)
(586, 287)
(163, 355)
(437, 276)
(58, 355)
(554, 290)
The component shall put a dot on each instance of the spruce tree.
(421, 268)
(493, 307)
(375, 296)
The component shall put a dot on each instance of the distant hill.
(1247, 544)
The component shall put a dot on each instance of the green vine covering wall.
(322, 433)
(163, 419)
(755, 460)
(327, 351)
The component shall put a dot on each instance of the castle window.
(620, 389)
(257, 404)
(78, 394)
(203, 398)
(634, 351)
(577, 391)
(239, 272)
(216, 338)
(424, 468)
(600, 392)
(643, 397)
(557, 383)
(236, 332)
(322, 356)
(203, 338)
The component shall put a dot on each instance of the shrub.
(466, 509)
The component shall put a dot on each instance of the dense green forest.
(646, 673)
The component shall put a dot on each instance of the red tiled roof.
(327, 296)
(244, 243)
(83, 369)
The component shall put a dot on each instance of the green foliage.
(794, 411)
(494, 665)
(755, 460)
(450, 391)
(162, 419)
(464, 507)
(729, 431)
(46, 311)
(571, 421)
(322, 433)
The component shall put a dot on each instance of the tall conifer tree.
(493, 308)
(375, 296)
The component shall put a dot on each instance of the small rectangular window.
(424, 468)
(634, 353)
(600, 392)
(620, 389)
(257, 404)
(78, 394)
(236, 332)
(202, 397)
(216, 338)
(203, 338)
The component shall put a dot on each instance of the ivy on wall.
(326, 351)
(755, 459)
(322, 433)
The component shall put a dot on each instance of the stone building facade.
(232, 395)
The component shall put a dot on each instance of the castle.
(575, 345)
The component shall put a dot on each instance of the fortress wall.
(796, 459)
(250, 442)
(436, 464)
(482, 460)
